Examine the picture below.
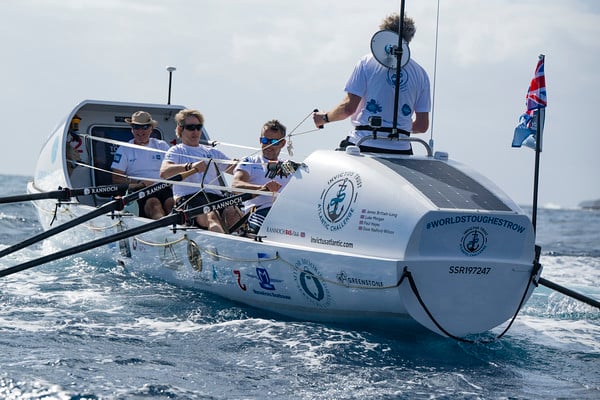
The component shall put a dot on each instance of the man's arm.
(346, 108)
(421, 122)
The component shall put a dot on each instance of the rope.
(184, 183)
(157, 244)
(407, 274)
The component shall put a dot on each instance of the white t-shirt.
(375, 84)
(183, 154)
(141, 162)
(257, 169)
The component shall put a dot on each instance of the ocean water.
(85, 328)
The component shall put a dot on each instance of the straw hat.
(141, 118)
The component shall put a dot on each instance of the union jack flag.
(536, 101)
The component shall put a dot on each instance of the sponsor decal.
(474, 241)
(310, 283)
(264, 280)
(346, 280)
(194, 257)
(285, 231)
(479, 219)
(331, 242)
(267, 284)
(237, 273)
(335, 207)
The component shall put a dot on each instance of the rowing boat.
(355, 238)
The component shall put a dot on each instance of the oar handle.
(114, 205)
(178, 217)
(66, 193)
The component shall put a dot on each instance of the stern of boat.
(466, 273)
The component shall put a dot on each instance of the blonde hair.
(392, 22)
(182, 115)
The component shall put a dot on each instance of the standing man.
(370, 91)
(143, 160)
(252, 173)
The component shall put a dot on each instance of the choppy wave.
(86, 328)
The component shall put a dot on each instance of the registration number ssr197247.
(458, 269)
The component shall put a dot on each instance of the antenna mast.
(398, 70)
(170, 69)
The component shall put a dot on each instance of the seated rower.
(252, 173)
(131, 161)
(188, 155)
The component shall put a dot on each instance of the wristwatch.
(325, 117)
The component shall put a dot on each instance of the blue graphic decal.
(406, 110)
(373, 107)
(117, 157)
(336, 207)
(264, 279)
(474, 241)
(311, 286)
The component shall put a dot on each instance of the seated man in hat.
(143, 159)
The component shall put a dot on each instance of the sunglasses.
(265, 140)
(193, 127)
(135, 127)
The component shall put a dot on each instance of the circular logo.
(474, 241)
(194, 256)
(310, 283)
(335, 207)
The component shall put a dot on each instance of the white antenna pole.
(437, 29)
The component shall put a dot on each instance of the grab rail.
(406, 139)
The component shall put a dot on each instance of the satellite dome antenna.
(170, 69)
(384, 46)
(391, 51)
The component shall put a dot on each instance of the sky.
(242, 63)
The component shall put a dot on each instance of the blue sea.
(86, 328)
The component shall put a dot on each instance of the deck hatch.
(444, 185)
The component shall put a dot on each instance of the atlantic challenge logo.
(474, 241)
(337, 199)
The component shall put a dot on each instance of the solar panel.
(444, 185)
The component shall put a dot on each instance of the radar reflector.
(384, 46)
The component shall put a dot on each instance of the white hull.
(339, 240)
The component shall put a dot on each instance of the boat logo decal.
(346, 280)
(285, 231)
(474, 241)
(266, 283)
(311, 284)
(335, 207)
(264, 280)
(194, 256)
(237, 273)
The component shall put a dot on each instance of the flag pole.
(538, 150)
(536, 174)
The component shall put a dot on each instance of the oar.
(66, 193)
(569, 292)
(114, 205)
(179, 217)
